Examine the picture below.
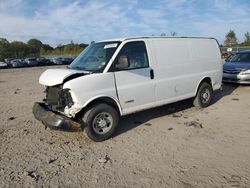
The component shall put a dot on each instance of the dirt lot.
(156, 148)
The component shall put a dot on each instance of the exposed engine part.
(58, 98)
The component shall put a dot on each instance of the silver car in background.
(31, 62)
(237, 68)
(17, 63)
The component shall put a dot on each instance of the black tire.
(204, 95)
(100, 122)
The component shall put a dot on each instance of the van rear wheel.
(100, 122)
(203, 96)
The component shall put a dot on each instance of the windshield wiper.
(79, 68)
(76, 68)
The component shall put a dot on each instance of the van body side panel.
(206, 55)
(170, 66)
(182, 64)
(89, 87)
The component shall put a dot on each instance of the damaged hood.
(53, 77)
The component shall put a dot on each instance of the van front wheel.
(100, 122)
(203, 96)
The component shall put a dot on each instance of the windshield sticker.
(113, 45)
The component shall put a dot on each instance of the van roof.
(150, 37)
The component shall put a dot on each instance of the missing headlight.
(57, 98)
(65, 98)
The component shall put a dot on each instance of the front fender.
(87, 88)
(76, 108)
(102, 97)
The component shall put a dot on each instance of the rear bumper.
(236, 78)
(54, 120)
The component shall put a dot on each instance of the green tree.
(173, 34)
(47, 47)
(247, 36)
(35, 46)
(67, 49)
(246, 41)
(5, 49)
(82, 45)
(20, 49)
(231, 39)
(35, 43)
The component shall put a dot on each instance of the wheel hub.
(102, 123)
(205, 96)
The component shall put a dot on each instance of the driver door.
(134, 78)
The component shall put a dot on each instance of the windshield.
(241, 57)
(95, 57)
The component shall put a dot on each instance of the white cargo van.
(113, 78)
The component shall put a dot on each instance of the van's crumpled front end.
(54, 120)
(58, 108)
(68, 92)
(60, 100)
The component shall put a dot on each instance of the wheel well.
(106, 100)
(207, 80)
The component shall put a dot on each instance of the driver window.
(133, 55)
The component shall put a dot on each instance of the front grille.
(231, 71)
(231, 79)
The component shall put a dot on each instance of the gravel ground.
(172, 146)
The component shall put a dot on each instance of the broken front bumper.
(54, 120)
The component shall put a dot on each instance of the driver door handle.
(152, 76)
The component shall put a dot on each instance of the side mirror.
(122, 63)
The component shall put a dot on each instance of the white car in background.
(3, 65)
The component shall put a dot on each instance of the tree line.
(35, 48)
(232, 40)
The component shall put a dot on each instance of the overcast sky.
(60, 21)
